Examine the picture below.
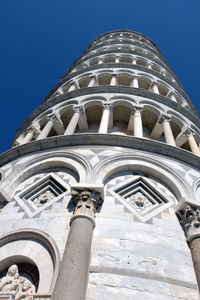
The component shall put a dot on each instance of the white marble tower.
(100, 192)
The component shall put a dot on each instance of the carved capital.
(107, 106)
(78, 109)
(189, 218)
(86, 203)
(137, 107)
(33, 130)
(165, 118)
(52, 117)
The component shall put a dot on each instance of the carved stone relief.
(15, 285)
(189, 218)
(86, 203)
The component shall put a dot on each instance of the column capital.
(137, 107)
(33, 129)
(189, 131)
(165, 117)
(189, 218)
(51, 117)
(107, 105)
(86, 203)
(78, 109)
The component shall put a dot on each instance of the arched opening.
(93, 115)
(121, 116)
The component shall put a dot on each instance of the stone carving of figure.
(7, 280)
(25, 291)
(12, 285)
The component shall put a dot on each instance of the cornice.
(112, 140)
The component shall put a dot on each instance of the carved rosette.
(189, 218)
(86, 203)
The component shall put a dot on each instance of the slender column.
(30, 134)
(137, 122)
(103, 128)
(47, 128)
(100, 61)
(189, 218)
(113, 80)
(135, 82)
(134, 61)
(173, 98)
(72, 87)
(169, 138)
(193, 144)
(155, 88)
(73, 273)
(117, 60)
(92, 81)
(74, 121)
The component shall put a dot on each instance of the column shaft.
(193, 145)
(45, 131)
(72, 88)
(137, 123)
(103, 128)
(155, 89)
(135, 83)
(92, 82)
(195, 251)
(73, 273)
(113, 80)
(73, 123)
(169, 138)
(28, 136)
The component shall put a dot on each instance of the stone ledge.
(102, 140)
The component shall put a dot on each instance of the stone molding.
(105, 140)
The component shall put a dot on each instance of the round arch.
(33, 247)
(146, 165)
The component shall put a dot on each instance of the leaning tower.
(99, 194)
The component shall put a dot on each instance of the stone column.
(31, 131)
(169, 138)
(192, 142)
(189, 218)
(113, 79)
(92, 81)
(103, 128)
(72, 87)
(173, 98)
(155, 88)
(135, 83)
(134, 61)
(74, 121)
(47, 128)
(137, 122)
(100, 61)
(117, 60)
(73, 273)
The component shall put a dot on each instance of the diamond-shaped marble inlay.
(141, 197)
(42, 194)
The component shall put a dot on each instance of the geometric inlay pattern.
(42, 194)
(141, 197)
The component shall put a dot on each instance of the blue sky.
(40, 39)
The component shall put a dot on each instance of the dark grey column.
(189, 217)
(72, 279)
